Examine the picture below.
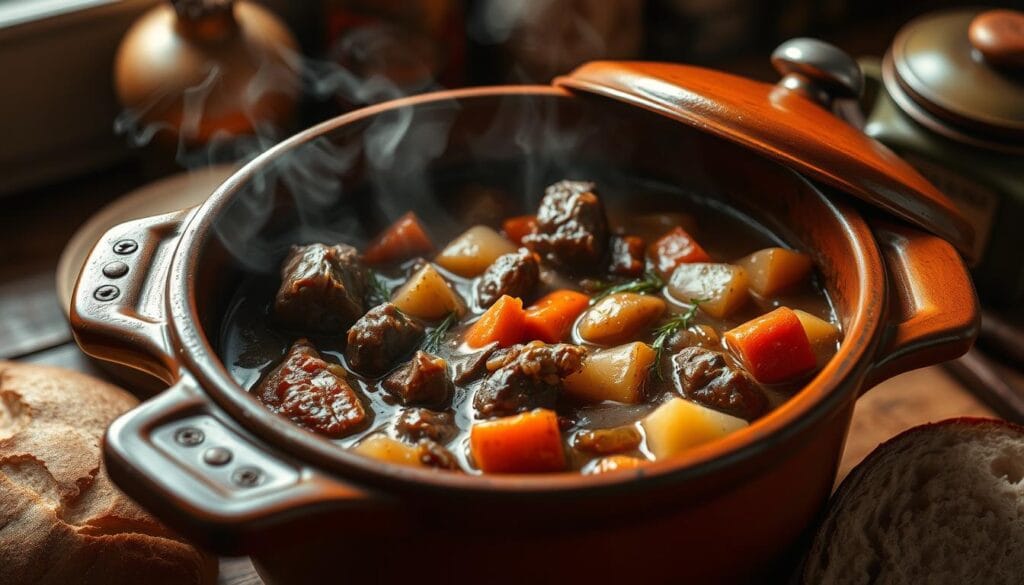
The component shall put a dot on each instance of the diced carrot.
(503, 322)
(774, 347)
(550, 318)
(524, 443)
(402, 240)
(674, 248)
(517, 227)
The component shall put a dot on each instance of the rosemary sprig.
(379, 290)
(667, 329)
(649, 283)
(432, 342)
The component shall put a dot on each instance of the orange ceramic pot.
(308, 511)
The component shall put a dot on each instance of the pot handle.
(933, 311)
(118, 309)
(185, 460)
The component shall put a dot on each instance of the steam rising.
(396, 149)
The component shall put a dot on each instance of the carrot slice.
(402, 240)
(674, 248)
(503, 322)
(517, 227)
(550, 318)
(524, 443)
(774, 347)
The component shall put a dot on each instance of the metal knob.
(817, 70)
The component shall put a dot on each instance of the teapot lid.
(966, 69)
(786, 123)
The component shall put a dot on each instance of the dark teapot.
(948, 97)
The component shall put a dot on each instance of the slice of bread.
(941, 503)
(61, 518)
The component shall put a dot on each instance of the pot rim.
(838, 381)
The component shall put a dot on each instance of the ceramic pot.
(212, 462)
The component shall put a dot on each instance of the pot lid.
(784, 123)
(966, 67)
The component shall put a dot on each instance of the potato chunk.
(722, 286)
(679, 425)
(774, 270)
(471, 253)
(822, 335)
(387, 449)
(619, 317)
(615, 374)
(427, 295)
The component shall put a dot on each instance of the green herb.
(650, 283)
(379, 289)
(432, 342)
(667, 329)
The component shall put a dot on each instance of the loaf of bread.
(939, 504)
(62, 521)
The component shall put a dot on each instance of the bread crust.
(962, 476)
(62, 520)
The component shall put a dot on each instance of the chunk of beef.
(433, 454)
(515, 274)
(704, 375)
(470, 366)
(572, 229)
(524, 377)
(322, 289)
(380, 338)
(313, 393)
(423, 380)
(626, 256)
(414, 424)
(608, 441)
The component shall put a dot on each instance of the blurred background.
(61, 117)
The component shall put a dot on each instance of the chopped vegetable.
(675, 248)
(666, 330)
(619, 317)
(679, 425)
(427, 295)
(822, 335)
(550, 318)
(387, 449)
(722, 286)
(650, 283)
(613, 463)
(503, 323)
(626, 256)
(432, 342)
(402, 240)
(616, 374)
(517, 227)
(525, 443)
(774, 347)
(775, 270)
(471, 253)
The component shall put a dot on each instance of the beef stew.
(590, 336)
